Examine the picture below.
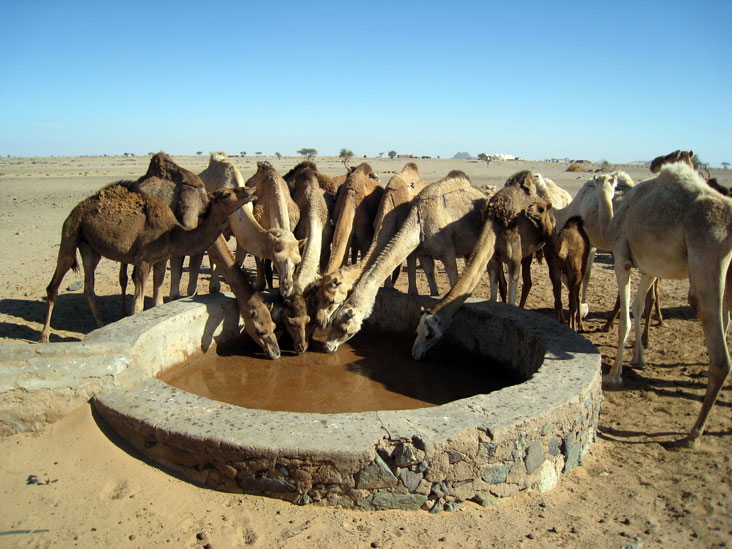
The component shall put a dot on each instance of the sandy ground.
(92, 490)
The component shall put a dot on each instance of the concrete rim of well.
(484, 448)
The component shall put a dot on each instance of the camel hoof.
(612, 380)
(686, 442)
(639, 362)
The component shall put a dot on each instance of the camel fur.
(274, 209)
(355, 209)
(127, 226)
(566, 255)
(514, 205)
(443, 221)
(674, 226)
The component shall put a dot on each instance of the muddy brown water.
(373, 371)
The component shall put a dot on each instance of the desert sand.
(75, 484)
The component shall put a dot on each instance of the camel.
(674, 226)
(353, 215)
(585, 205)
(185, 194)
(314, 227)
(513, 206)
(253, 309)
(127, 226)
(276, 244)
(443, 221)
(566, 254)
(275, 209)
(393, 209)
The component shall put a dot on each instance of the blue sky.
(621, 81)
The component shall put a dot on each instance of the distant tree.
(392, 154)
(278, 155)
(150, 154)
(346, 156)
(308, 153)
(199, 153)
(381, 155)
(258, 153)
(725, 165)
(243, 153)
(485, 157)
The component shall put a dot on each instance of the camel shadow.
(626, 436)
(71, 313)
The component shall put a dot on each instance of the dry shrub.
(574, 167)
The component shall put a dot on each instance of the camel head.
(332, 292)
(297, 321)
(346, 323)
(606, 184)
(540, 215)
(227, 201)
(671, 158)
(429, 332)
(286, 257)
(260, 326)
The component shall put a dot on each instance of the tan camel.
(585, 205)
(674, 226)
(511, 207)
(353, 215)
(126, 226)
(274, 209)
(277, 244)
(185, 194)
(566, 253)
(253, 309)
(443, 221)
(393, 210)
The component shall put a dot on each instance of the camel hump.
(524, 180)
(163, 167)
(217, 156)
(453, 182)
(263, 164)
(625, 182)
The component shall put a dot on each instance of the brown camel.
(443, 221)
(253, 309)
(674, 226)
(513, 205)
(185, 194)
(127, 226)
(355, 209)
(566, 253)
(275, 209)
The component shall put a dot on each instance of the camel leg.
(90, 260)
(176, 273)
(451, 267)
(65, 262)
(651, 299)
(584, 307)
(123, 288)
(659, 315)
(494, 269)
(260, 282)
(622, 275)
(428, 266)
(502, 284)
(411, 273)
(139, 277)
(158, 280)
(613, 315)
(575, 314)
(194, 269)
(526, 279)
(638, 305)
(708, 299)
(556, 279)
(514, 268)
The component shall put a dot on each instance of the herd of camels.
(307, 226)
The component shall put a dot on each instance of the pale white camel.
(443, 222)
(673, 226)
(276, 244)
(585, 205)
